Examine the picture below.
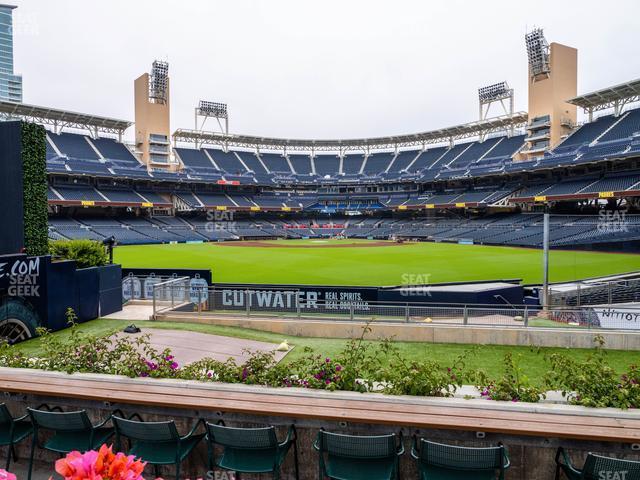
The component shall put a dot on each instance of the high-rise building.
(10, 83)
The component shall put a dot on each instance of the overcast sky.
(312, 69)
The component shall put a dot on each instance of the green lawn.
(488, 357)
(374, 265)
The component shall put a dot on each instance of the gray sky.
(303, 69)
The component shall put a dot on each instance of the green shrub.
(593, 382)
(513, 386)
(87, 253)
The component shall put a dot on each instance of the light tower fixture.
(497, 92)
(207, 109)
(537, 52)
(212, 109)
(159, 82)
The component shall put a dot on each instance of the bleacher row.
(194, 198)
(606, 137)
(511, 229)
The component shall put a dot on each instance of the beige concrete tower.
(153, 130)
(553, 79)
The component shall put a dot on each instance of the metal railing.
(177, 296)
(595, 292)
(171, 294)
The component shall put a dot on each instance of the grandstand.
(484, 181)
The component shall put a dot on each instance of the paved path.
(132, 312)
(188, 347)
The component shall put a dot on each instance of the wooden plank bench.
(409, 412)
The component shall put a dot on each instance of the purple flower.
(328, 360)
(327, 381)
(338, 368)
(173, 365)
(245, 373)
(144, 374)
(168, 358)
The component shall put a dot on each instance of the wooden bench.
(292, 403)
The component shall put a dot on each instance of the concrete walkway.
(133, 311)
(188, 347)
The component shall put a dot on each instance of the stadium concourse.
(473, 191)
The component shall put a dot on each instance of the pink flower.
(4, 475)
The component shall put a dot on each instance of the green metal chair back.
(348, 457)
(243, 438)
(437, 460)
(597, 467)
(359, 447)
(60, 421)
(249, 450)
(5, 415)
(12, 431)
(147, 431)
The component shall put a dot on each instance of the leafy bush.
(513, 386)
(592, 382)
(361, 366)
(428, 378)
(87, 253)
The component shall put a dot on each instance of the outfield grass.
(374, 265)
(488, 357)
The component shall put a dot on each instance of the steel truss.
(60, 119)
(481, 128)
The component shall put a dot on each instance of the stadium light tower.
(537, 53)
(496, 93)
(207, 109)
(158, 82)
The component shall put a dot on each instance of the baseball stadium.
(474, 286)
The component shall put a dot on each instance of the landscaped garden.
(595, 377)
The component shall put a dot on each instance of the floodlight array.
(212, 109)
(158, 81)
(537, 52)
(496, 91)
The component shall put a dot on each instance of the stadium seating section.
(98, 172)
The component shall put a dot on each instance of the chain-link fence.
(178, 295)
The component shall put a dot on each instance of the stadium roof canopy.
(62, 118)
(614, 97)
(479, 128)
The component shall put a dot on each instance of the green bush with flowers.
(361, 366)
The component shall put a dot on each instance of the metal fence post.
(247, 300)
(298, 312)
(526, 316)
(610, 296)
(406, 313)
(172, 295)
(465, 316)
(154, 302)
(199, 287)
(351, 311)
(578, 293)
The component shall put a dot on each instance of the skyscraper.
(10, 83)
